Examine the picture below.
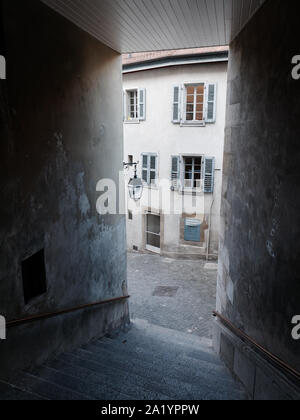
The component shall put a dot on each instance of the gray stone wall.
(259, 280)
(61, 132)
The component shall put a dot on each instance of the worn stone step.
(136, 379)
(133, 388)
(94, 390)
(198, 388)
(181, 367)
(143, 330)
(158, 351)
(137, 338)
(45, 389)
(9, 392)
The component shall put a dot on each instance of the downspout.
(209, 229)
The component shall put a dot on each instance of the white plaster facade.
(157, 134)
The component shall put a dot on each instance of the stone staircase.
(146, 363)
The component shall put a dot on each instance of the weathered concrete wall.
(61, 132)
(259, 280)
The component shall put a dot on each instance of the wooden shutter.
(145, 166)
(176, 110)
(209, 175)
(211, 103)
(175, 171)
(125, 116)
(192, 230)
(142, 104)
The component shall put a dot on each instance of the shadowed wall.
(61, 132)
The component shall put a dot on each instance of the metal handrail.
(270, 355)
(33, 318)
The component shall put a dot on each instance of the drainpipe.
(209, 229)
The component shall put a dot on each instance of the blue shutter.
(209, 175)
(192, 230)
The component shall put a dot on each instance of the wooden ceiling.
(152, 25)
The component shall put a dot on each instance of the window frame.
(128, 118)
(139, 105)
(194, 121)
(184, 187)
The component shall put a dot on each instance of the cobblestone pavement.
(175, 294)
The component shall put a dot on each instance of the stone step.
(143, 330)
(197, 388)
(181, 367)
(147, 363)
(156, 352)
(94, 390)
(128, 387)
(11, 393)
(45, 389)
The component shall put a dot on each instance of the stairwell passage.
(146, 363)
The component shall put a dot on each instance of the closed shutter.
(211, 103)
(142, 104)
(192, 230)
(209, 175)
(175, 171)
(176, 104)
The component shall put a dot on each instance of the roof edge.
(208, 57)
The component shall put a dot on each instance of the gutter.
(215, 57)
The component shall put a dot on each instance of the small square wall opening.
(34, 276)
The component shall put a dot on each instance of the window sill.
(132, 122)
(151, 187)
(192, 124)
(192, 191)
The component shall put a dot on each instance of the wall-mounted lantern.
(135, 185)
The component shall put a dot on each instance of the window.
(194, 104)
(194, 100)
(34, 276)
(130, 215)
(192, 172)
(134, 105)
(149, 168)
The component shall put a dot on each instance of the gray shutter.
(142, 104)
(175, 171)
(176, 104)
(145, 166)
(209, 175)
(124, 106)
(211, 103)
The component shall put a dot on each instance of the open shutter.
(124, 106)
(211, 103)
(176, 104)
(142, 104)
(145, 166)
(175, 171)
(209, 175)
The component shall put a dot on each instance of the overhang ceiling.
(150, 25)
